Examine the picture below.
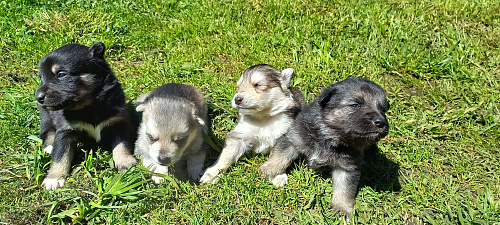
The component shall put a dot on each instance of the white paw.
(48, 149)
(157, 179)
(280, 180)
(345, 216)
(52, 184)
(211, 176)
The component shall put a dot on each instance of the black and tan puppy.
(333, 131)
(79, 97)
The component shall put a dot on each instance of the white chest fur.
(264, 132)
(94, 131)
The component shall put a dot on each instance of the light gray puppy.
(173, 117)
(333, 131)
(267, 106)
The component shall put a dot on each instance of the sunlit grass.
(438, 60)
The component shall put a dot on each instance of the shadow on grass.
(379, 172)
(213, 153)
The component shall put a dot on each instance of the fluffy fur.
(267, 106)
(79, 97)
(333, 131)
(173, 117)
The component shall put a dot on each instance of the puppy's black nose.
(379, 122)
(164, 160)
(40, 97)
(238, 100)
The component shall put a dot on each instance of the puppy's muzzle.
(379, 122)
(238, 100)
(40, 96)
(164, 160)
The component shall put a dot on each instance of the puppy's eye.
(179, 138)
(355, 106)
(61, 74)
(256, 85)
(151, 138)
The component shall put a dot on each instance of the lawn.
(438, 60)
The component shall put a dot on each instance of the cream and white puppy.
(173, 117)
(267, 106)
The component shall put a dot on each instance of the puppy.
(267, 106)
(79, 97)
(333, 131)
(173, 117)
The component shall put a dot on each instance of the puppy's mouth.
(52, 107)
(66, 105)
(372, 135)
(246, 107)
(166, 162)
(250, 111)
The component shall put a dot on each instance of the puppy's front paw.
(343, 210)
(53, 183)
(48, 149)
(124, 162)
(194, 176)
(342, 215)
(211, 176)
(194, 172)
(269, 171)
(157, 179)
(280, 180)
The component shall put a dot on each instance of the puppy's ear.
(286, 78)
(140, 108)
(197, 118)
(141, 102)
(326, 95)
(97, 50)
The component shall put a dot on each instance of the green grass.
(438, 60)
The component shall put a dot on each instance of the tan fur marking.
(55, 68)
(59, 169)
(49, 140)
(123, 157)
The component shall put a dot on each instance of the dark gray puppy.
(80, 98)
(333, 131)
